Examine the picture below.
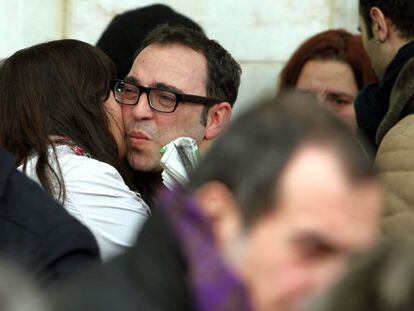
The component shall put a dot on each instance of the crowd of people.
(301, 203)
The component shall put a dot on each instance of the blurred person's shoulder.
(36, 231)
(25, 204)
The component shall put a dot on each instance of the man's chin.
(140, 163)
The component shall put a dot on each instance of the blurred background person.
(61, 123)
(267, 222)
(382, 280)
(125, 33)
(334, 66)
(385, 110)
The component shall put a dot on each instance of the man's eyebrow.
(167, 87)
(324, 243)
(158, 85)
(131, 79)
(339, 94)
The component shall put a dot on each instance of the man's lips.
(137, 139)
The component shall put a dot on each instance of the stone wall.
(260, 34)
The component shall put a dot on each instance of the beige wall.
(260, 34)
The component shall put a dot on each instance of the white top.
(98, 197)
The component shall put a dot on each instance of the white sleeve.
(97, 195)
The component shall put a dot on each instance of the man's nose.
(142, 109)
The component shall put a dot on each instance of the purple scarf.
(213, 285)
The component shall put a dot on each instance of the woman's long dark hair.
(57, 88)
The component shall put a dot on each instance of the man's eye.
(339, 101)
(167, 98)
(313, 249)
(336, 101)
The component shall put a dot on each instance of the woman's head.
(58, 88)
(333, 65)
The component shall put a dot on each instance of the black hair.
(125, 33)
(400, 12)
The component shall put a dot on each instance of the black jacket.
(150, 276)
(37, 232)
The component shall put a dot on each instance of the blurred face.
(334, 84)
(171, 67)
(114, 112)
(299, 249)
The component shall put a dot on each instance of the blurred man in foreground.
(268, 221)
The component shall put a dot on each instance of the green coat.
(395, 157)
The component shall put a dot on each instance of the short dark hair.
(223, 76)
(400, 12)
(251, 155)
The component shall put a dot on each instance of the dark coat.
(37, 232)
(150, 276)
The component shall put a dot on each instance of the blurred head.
(385, 26)
(175, 59)
(125, 33)
(334, 66)
(59, 88)
(290, 196)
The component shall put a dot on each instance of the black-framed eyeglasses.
(159, 99)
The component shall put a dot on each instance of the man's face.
(299, 249)
(172, 67)
(373, 48)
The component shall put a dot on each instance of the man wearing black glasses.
(181, 84)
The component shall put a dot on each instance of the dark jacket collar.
(6, 168)
(401, 100)
(372, 103)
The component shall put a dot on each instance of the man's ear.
(380, 24)
(218, 118)
(218, 205)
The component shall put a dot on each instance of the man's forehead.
(312, 168)
(318, 198)
(178, 53)
(315, 183)
(177, 66)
